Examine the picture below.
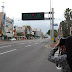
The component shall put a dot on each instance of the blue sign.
(58, 30)
(55, 24)
(4, 18)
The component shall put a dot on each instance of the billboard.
(33, 16)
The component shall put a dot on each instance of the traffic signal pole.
(52, 25)
(50, 21)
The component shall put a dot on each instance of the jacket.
(61, 60)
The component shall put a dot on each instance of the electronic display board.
(33, 16)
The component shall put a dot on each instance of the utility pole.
(3, 7)
(52, 25)
(50, 21)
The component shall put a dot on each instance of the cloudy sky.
(14, 9)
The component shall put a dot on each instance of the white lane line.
(5, 46)
(27, 45)
(7, 51)
(22, 43)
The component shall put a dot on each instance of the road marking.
(27, 45)
(5, 46)
(11, 43)
(7, 51)
(5, 43)
(22, 43)
(48, 45)
(35, 43)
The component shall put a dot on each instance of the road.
(25, 56)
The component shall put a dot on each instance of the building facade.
(9, 26)
(37, 32)
(25, 29)
(6, 25)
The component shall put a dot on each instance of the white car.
(13, 39)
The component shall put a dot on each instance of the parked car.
(13, 39)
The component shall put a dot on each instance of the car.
(13, 39)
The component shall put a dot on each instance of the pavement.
(26, 56)
(52, 45)
(1, 40)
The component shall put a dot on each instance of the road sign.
(33, 16)
(55, 24)
(53, 39)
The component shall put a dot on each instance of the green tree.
(29, 36)
(65, 25)
(67, 14)
(48, 32)
(19, 34)
(55, 33)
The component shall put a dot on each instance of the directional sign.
(55, 24)
(33, 16)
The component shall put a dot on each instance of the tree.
(29, 36)
(48, 32)
(67, 14)
(19, 34)
(55, 33)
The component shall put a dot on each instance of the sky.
(15, 8)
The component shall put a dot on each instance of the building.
(6, 26)
(19, 29)
(25, 29)
(37, 32)
(9, 27)
(1, 23)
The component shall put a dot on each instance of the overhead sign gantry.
(33, 16)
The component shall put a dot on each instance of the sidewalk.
(2, 41)
(52, 45)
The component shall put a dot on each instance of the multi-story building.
(9, 27)
(6, 25)
(26, 29)
(19, 29)
(37, 32)
(1, 22)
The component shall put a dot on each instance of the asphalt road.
(25, 56)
